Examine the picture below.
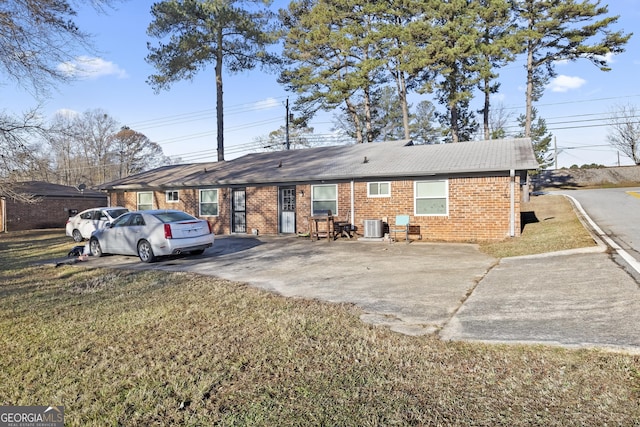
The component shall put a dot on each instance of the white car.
(153, 233)
(86, 222)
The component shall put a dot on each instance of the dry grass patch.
(120, 347)
(549, 224)
(180, 349)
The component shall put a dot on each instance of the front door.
(238, 211)
(287, 208)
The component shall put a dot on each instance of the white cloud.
(498, 97)
(65, 112)
(608, 58)
(266, 104)
(84, 67)
(564, 83)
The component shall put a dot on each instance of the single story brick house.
(51, 205)
(462, 192)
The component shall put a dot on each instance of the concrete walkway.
(572, 300)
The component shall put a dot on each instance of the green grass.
(155, 348)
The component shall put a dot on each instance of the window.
(432, 197)
(209, 202)
(323, 198)
(379, 189)
(145, 200)
(122, 221)
(137, 219)
(172, 196)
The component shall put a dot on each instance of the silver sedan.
(153, 233)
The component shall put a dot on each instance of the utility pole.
(555, 149)
(287, 125)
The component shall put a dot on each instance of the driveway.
(573, 299)
(412, 288)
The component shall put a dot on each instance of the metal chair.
(402, 224)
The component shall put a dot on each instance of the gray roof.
(394, 159)
(47, 189)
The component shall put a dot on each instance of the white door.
(287, 209)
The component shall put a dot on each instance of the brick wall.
(479, 208)
(48, 212)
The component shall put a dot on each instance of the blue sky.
(182, 119)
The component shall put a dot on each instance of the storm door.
(238, 211)
(287, 209)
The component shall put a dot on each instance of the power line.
(591, 120)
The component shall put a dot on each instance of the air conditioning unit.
(373, 228)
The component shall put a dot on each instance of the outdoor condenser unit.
(373, 228)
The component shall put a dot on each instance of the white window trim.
(336, 199)
(415, 197)
(378, 195)
(166, 195)
(138, 198)
(217, 190)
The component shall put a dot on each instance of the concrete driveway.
(573, 299)
(412, 288)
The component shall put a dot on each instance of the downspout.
(351, 214)
(512, 208)
(3, 202)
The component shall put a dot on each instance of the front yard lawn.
(156, 348)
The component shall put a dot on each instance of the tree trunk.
(356, 121)
(485, 111)
(367, 113)
(219, 98)
(401, 84)
(455, 137)
(402, 91)
(529, 101)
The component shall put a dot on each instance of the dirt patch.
(622, 176)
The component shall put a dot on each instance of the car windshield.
(174, 216)
(115, 213)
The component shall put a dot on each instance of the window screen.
(145, 200)
(323, 198)
(208, 202)
(431, 197)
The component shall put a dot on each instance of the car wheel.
(197, 252)
(94, 247)
(145, 252)
(77, 236)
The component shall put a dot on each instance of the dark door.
(238, 211)
(287, 209)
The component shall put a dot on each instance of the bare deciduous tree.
(624, 131)
(35, 38)
(135, 152)
(498, 119)
(20, 157)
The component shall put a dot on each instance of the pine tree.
(201, 32)
(554, 30)
(540, 137)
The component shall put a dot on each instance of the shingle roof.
(46, 189)
(396, 159)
